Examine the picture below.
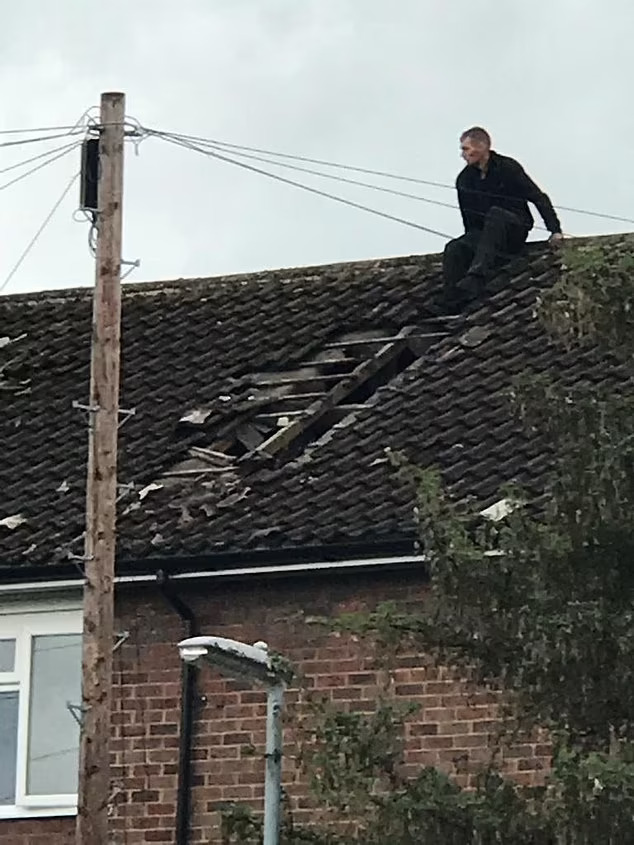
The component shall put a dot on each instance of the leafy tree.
(539, 605)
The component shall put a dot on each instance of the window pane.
(7, 655)
(53, 753)
(8, 745)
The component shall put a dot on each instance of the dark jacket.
(506, 185)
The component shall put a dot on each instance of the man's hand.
(556, 239)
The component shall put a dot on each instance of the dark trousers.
(471, 260)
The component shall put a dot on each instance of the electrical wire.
(65, 152)
(342, 179)
(187, 145)
(357, 182)
(24, 141)
(36, 236)
(369, 171)
(26, 131)
(347, 181)
(62, 148)
(308, 160)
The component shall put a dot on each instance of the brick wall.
(450, 730)
(38, 832)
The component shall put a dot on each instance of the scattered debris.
(449, 353)
(12, 522)
(211, 456)
(197, 416)
(263, 533)
(234, 498)
(5, 341)
(150, 487)
(133, 506)
(499, 510)
(377, 461)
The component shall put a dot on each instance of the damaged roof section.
(273, 415)
(265, 405)
(13, 374)
(269, 418)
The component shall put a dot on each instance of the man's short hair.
(478, 134)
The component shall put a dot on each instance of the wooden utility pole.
(101, 491)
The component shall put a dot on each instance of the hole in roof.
(274, 415)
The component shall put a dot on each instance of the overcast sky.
(385, 84)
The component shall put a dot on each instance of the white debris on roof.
(150, 487)
(64, 487)
(499, 510)
(196, 417)
(5, 341)
(12, 522)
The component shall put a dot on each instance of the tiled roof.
(199, 344)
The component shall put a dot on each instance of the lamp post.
(235, 658)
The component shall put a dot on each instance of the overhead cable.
(337, 178)
(41, 138)
(214, 154)
(371, 172)
(37, 235)
(26, 131)
(62, 148)
(69, 148)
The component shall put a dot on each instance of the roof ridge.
(274, 274)
(297, 273)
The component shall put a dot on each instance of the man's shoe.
(472, 286)
(443, 308)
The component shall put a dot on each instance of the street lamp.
(232, 657)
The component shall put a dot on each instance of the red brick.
(425, 729)
(411, 689)
(451, 729)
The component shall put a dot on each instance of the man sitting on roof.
(493, 194)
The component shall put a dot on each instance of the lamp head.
(231, 657)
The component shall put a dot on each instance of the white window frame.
(22, 622)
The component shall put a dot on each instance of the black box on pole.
(89, 187)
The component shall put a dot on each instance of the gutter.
(280, 570)
(188, 695)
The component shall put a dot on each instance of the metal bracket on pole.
(126, 413)
(122, 637)
(133, 265)
(80, 558)
(89, 409)
(76, 711)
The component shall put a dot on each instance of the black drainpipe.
(188, 694)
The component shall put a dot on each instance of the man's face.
(473, 152)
